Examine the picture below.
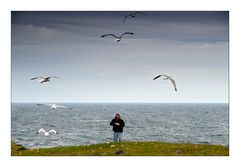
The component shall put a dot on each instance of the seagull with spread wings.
(133, 15)
(54, 106)
(165, 77)
(44, 79)
(47, 133)
(118, 37)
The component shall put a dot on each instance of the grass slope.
(125, 148)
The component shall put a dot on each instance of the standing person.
(118, 125)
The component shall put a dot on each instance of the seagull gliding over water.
(54, 106)
(165, 77)
(47, 133)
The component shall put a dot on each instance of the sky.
(192, 47)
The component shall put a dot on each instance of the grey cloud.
(93, 25)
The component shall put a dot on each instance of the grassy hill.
(125, 148)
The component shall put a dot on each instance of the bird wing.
(126, 17)
(157, 77)
(138, 12)
(56, 77)
(60, 106)
(34, 78)
(41, 130)
(49, 105)
(53, 131)
(131, 33)
(44, 104)
(174, 83)
(166, 76)
(41, 80)
(109, 35)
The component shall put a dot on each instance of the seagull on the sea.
(47, 133)
(133, 15)
(54, 106)
(118, 37)
(44, 79)
(165, 77)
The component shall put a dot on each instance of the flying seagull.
(118, 38)
(133, 15)
(47, 133)
(44, 79)
(165, 77)
(54, 106)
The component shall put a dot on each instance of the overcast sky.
(192, 47)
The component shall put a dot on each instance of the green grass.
(127, 149)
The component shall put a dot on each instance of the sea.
(89, 123)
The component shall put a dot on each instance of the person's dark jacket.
(117, 128)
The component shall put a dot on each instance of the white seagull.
(47, 133)
(44, 79)
(118, 37)
(133, 15)
(54, 106)
(165, 77)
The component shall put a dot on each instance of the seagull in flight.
(165, 77)
(133, 15)
(54, 106)
(118, 37)
(46, 133)
(44, 79)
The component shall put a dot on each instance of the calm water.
(89, 123)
